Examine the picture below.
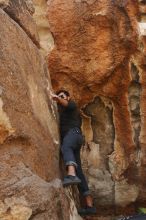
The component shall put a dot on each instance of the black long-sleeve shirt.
(69, 117)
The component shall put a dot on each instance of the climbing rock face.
(30, 185)
(21, 12)
(139, 60)
(96, 50)
(93, 42)
(99, 57)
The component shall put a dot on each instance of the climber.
(71, 142)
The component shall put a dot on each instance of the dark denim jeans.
(71, 146)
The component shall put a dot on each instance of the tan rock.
(125, 193)
(21, 12)
(92, 52)
(5, 125)
(21, 98)
(118, 162)
(94, 44)
(91, 154)
(40, 16)
(4, 3)
(29, 157)
(14, 209)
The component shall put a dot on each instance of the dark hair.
(64, 91)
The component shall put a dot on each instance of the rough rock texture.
(140, 63)
(99, 56)
(98, 53)
(101, 31)
(40, 16)
(30, 185)
(21, 12)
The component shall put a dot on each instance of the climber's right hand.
(54, 96)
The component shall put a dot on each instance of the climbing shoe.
(71, 180)
(134, 217)
(87, 211)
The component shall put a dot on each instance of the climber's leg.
(83, 188)
(69, 145)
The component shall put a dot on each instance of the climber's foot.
(71, 180)
(87, 211)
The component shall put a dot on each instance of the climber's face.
(64, 96)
